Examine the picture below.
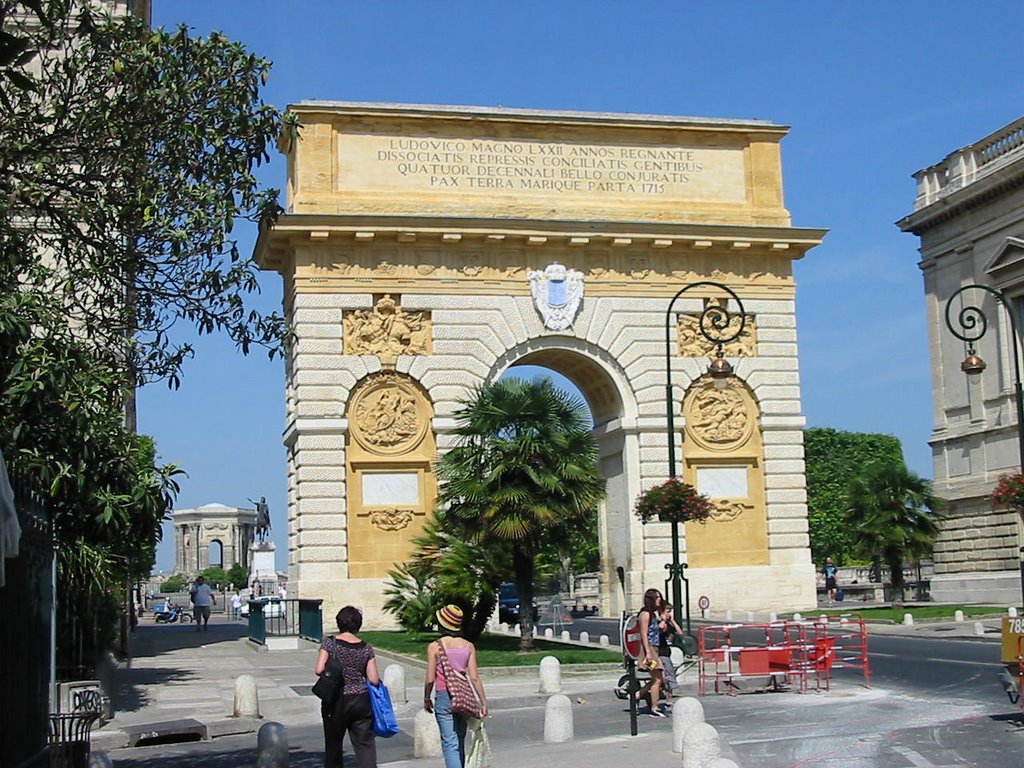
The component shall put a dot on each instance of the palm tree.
(523, 471)
(892, 514)
(444, 568)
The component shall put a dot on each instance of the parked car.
(508, 604)
(273, 608)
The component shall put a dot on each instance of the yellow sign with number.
(1013, 639)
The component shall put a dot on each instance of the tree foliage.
(834, 458)
(891, 513)
(446, 569)
(524, 471)
(126, 156)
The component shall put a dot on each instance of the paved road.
(933, 703)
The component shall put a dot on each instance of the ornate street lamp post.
(715, 323)
(971, 325)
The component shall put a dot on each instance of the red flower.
(1009, 492)
(673, 501)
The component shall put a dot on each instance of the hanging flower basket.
(673, 502)
(1009, 492)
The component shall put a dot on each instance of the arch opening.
(607, 554)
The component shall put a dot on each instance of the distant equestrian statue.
(262, 518)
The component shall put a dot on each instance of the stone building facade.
(232, 529)
(969, 216)
(427, 250)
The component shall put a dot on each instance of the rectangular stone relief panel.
(387, 330)
(692, 342)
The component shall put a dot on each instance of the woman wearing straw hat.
(462, 655)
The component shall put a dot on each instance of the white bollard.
(394, 680)
(979, 628)
(728, 616)
(686, 713)
(549, 633)
(701, 745)
(603, 640)
(100, 759)
(798, 617)
(908, 619)
(773, 617)
(565, 635)
(958, 616)
(247, 700)
(1012, 612)
(558, 720)
(426, 735)
(550, 675)
(272, 746)
(750, 617)
(584, 637)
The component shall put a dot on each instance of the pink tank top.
(459, 658)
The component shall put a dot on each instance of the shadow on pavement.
(151, 641)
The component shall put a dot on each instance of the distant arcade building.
(203, 534)
(427, 250)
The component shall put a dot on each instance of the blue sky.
(872, 91)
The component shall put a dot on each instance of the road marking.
(944, 661)
(919, 760)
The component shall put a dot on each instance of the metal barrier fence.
(794, 653)
(277, 617)
(26, 605)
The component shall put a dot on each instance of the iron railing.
(277, 617)
(26, 605)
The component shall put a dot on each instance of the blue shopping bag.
(384, 722)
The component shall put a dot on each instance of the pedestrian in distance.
(202, 600)
(236, 605)
(668, 629)
(462, 656)
(831, 572)
(351, 712)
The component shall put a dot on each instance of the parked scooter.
(172, 614)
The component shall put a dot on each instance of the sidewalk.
(177, 672)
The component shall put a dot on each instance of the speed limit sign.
(704, 602)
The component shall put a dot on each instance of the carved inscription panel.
(518, 166)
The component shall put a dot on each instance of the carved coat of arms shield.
(557, 293)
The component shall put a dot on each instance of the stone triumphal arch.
(212, 528)
(425, 250)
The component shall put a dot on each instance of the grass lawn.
(493, 650)
(918, 611)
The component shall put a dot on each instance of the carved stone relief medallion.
(386, 330)
(719, 419)
(388, 415)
